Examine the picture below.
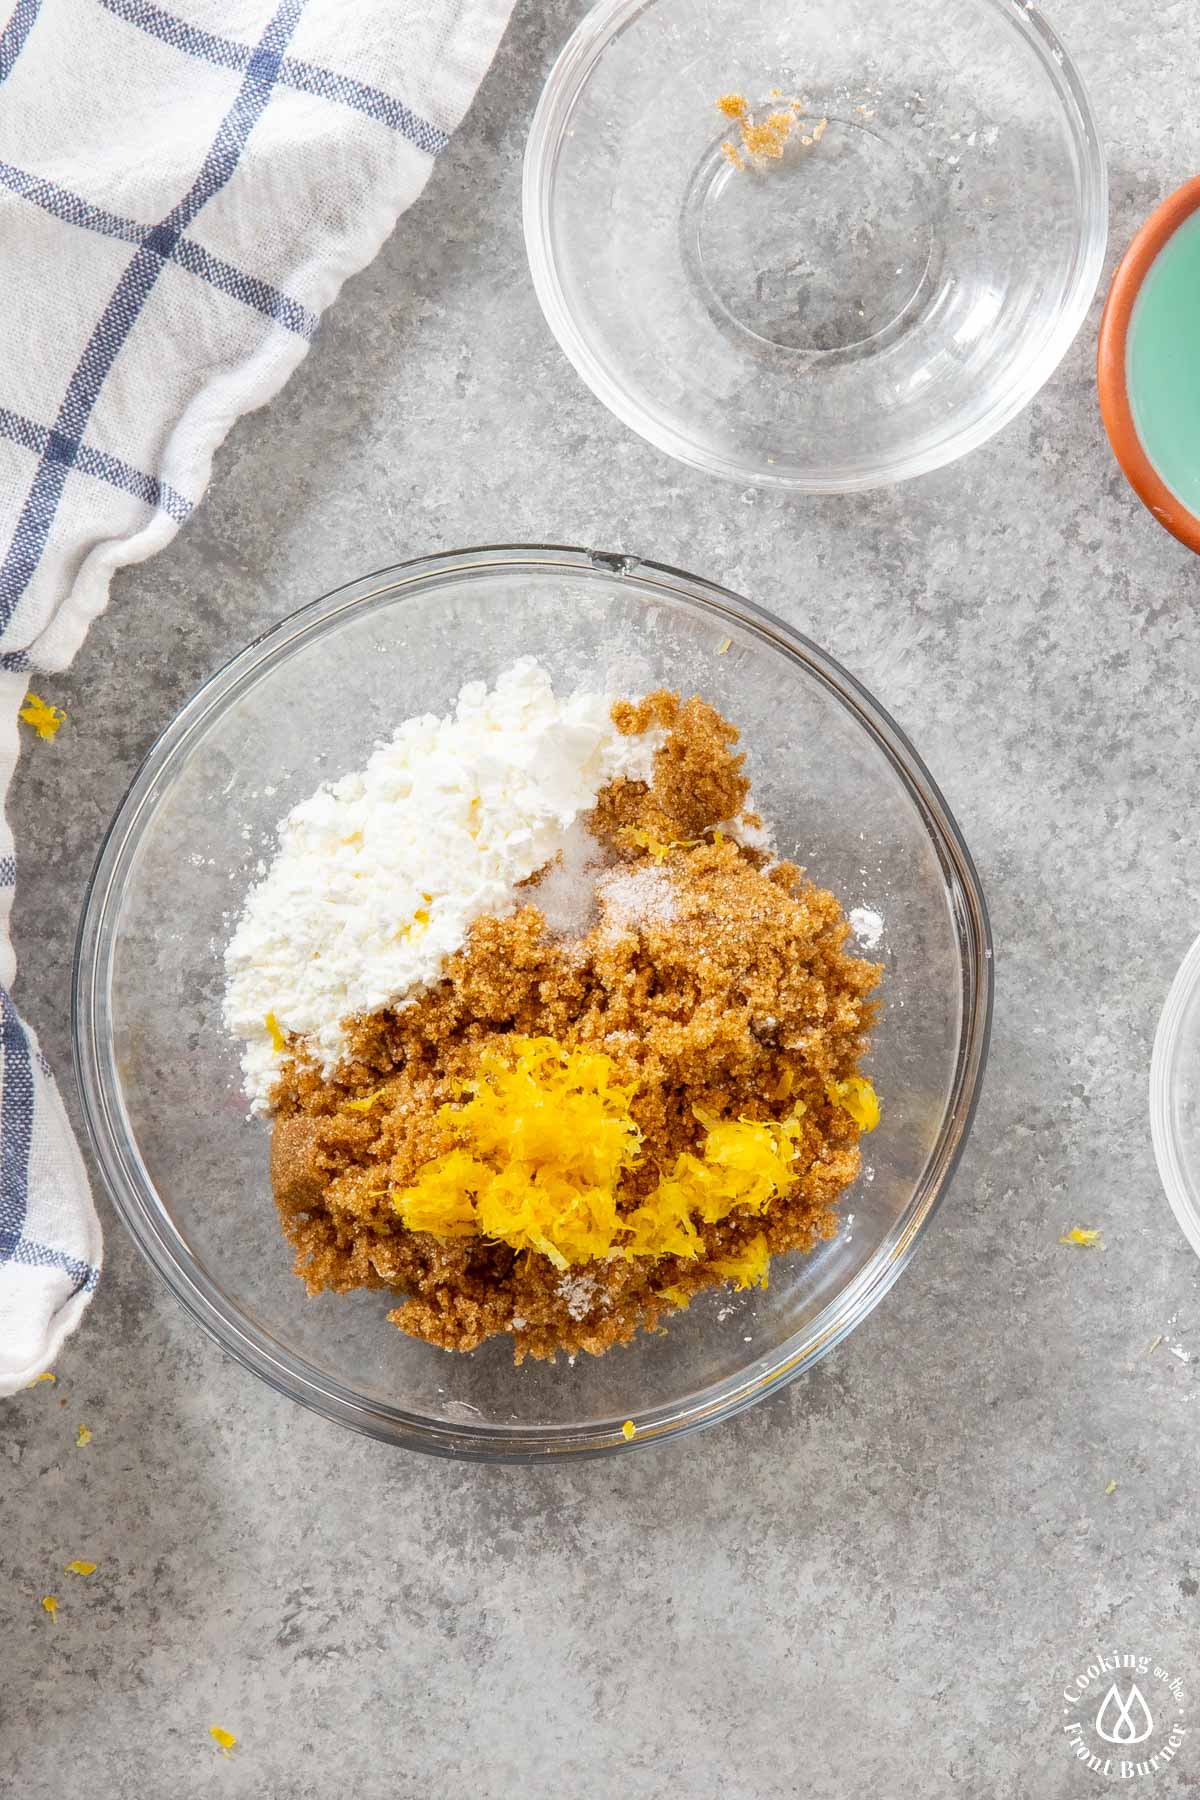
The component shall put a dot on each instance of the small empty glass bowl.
(873, 303)
(159, 1078)
(1175, 1096)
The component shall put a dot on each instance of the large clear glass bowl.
(875, 303)
(187, 1168)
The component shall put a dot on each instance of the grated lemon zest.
(546, 1137)
(1153, 1346)
(857, 1097)
(44, 718)
(367, 1101)
(1084, 1239)
(45, 1376)
(659, 848)
(628, 1429)
(278, 1040)
(83, 1437)
(81, 1568)
(750, 1269)
(225, 1739)
(1111, 1488)
(674, 1296)
(50, 1604)
(723, 646)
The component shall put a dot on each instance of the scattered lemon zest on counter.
(1154, 1343)
(50, 1605)
(628, 1429)
(1084, 1239)
(857, 1097)
(278, 1040)
(82, 1437)
(659, 848)
(45, 1375)
(723, 646)
(44, 718)
(1111, 1488)
(546, 1137)
(225, 1739)
(80, 1568)
(674, 1296)
(784, 1085)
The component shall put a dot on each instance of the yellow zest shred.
(44, 718)
(81, 1568)
(675, 1296)
(546, 1137)
(45, 1376)
(224, 1739)
(856, 1097)
(628, 1429)
(659, 848)
(745, 1165)
(785, 1084)
(550, 1134)
(1111, 1488)
(367, 1101)
(83, 1437)
(750, 1268)
(733, 105)
(1153, 1346)
(723, 646)
(278, 1041)
(50, 1604)
(1084, 1239)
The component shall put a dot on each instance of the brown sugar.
(712, 986)
(765, 139)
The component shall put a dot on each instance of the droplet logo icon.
(1125, 1721)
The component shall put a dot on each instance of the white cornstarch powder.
(379, 875)
(867, 926)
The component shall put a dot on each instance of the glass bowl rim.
(135, 1199)
(1180, 1001)
(558, 96)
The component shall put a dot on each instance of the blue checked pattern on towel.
(183, 191)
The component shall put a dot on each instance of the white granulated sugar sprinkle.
(643, 894)
(579, 1292)
(566, 892)
(444, 822)
(867, 926)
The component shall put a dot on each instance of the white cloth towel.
(183, 191)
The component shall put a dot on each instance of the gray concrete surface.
(879, 1581)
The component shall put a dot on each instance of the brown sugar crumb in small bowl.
(569, 1137)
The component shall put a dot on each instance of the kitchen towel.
(183, 191)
